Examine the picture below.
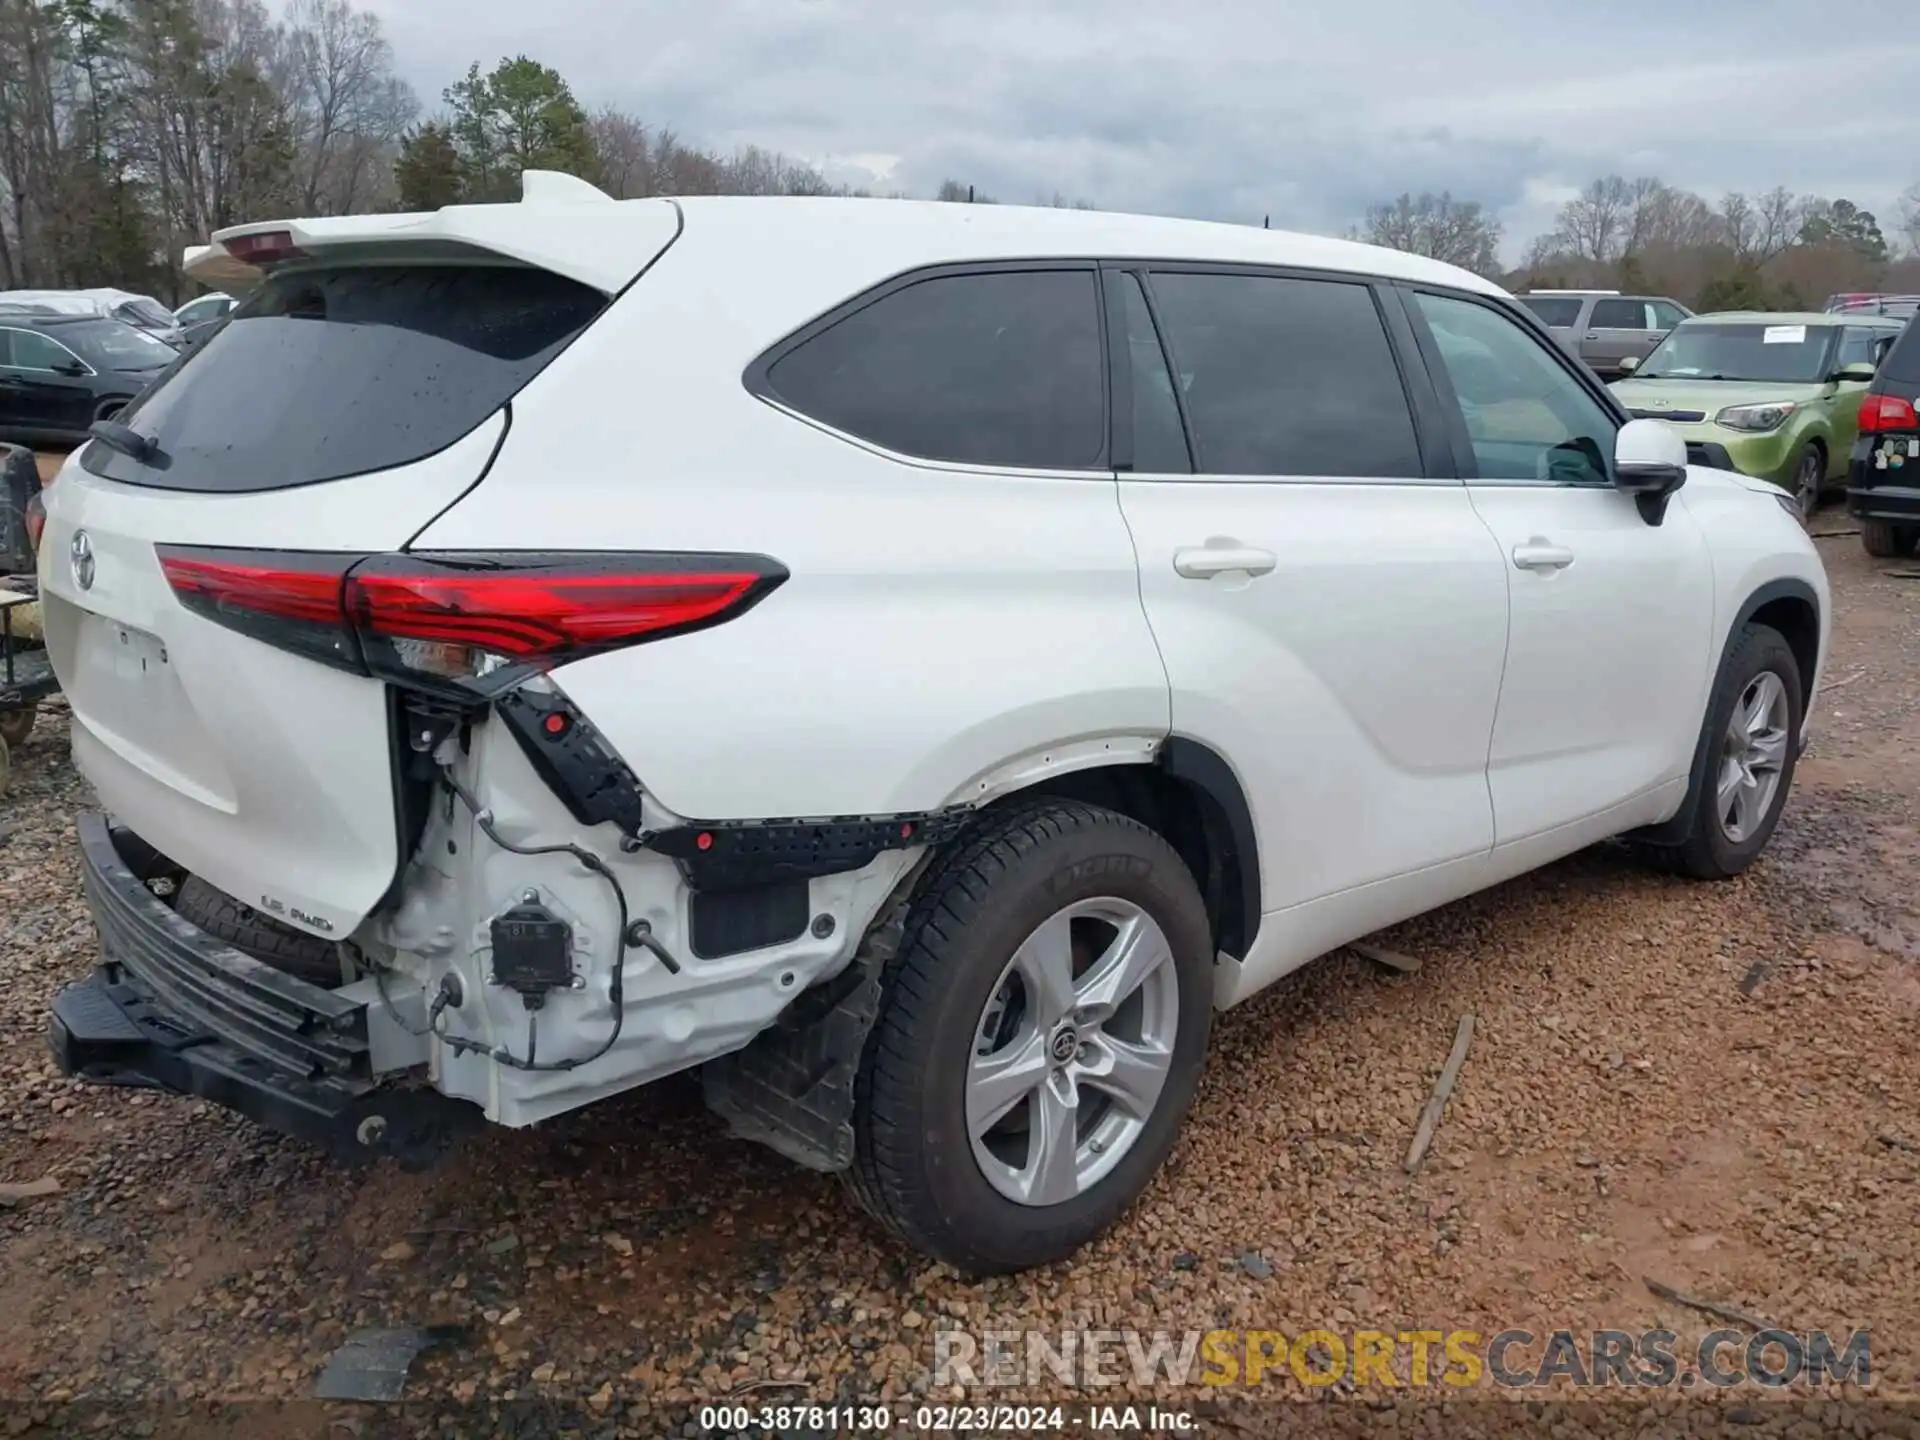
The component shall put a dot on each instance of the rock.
(1255, 1264)
(619, 1244)
(399, 1250)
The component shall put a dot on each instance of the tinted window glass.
(1618, 315)
(998, 369)
(1558, 311)
(339, 371)
(37, 352)
(1526, 416)
(148, 312)
(1665, 316)
(1159, 446)
(1902, 365)
(1286, 377)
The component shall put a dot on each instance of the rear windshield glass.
(329, 372)
(1557, 311)
(1902, 365)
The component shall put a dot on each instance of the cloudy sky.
(1233, 109)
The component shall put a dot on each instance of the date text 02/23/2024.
(731, 1420)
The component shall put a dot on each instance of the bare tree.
(626, 153)
(1459, 232)
(1908, 222)
(348, 107)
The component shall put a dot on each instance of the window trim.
(42, 369)
(758, 384)
(1434, 367)
(1429, 432)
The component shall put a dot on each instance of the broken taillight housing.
(476, 621)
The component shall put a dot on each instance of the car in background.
(143, 312)
(1883, 480)
(1604, 327)
(1780, 394)
(61, 372)
(215, 306)
(1894, 307)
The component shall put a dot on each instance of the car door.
(40, 395)
(1607, 657)
(1859, 345)
(1331, 612)
(1617, 328)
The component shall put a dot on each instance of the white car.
(143, 312)
(914, 661)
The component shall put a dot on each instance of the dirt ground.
(1710, 1086)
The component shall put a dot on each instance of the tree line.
(130, 129)
(1779, 250)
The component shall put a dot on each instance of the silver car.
(1604, 327)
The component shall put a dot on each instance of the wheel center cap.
(1064, 1045)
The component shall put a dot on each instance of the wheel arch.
(1792, 607)
(1190, 795)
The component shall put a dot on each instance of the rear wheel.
(241, 926)
(1741, 782)
(1809, 479)
(1887, 541)
(1042, 1033)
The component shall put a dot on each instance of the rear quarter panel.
(942, 628)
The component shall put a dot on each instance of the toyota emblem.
(80, 553)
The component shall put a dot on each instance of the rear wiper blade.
(128, 441)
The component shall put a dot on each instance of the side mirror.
(1858, 373)
(72, 368)
(1649, 463)
(1629, 364)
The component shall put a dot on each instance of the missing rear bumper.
(174, 1008)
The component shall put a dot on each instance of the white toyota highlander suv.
(914, 662)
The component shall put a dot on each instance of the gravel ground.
(1710, 1085)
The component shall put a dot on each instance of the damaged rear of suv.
(498, 705)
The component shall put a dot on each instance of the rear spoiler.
(602, 242)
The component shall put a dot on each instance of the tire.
(1711, 849)
(919, 1168)
(1809, 479)
(297, 953)
(16, 725)
(1885, 540)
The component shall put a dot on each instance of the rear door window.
(1284, 376)
(1000, 368)
(1559, 312)
(1619, 315)
(1665, 315)
(336, 371)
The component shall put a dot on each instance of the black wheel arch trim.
(1670, 831)
(1207, 771)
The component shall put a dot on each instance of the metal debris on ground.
(373, 1364)
(1706, 1307)
(1387, 959)
(1430, 1117)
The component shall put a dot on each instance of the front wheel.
(1042, 1034)
(1809, 480)
(1746, 760)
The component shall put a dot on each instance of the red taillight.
(264, 248)
(1887, 412)
(463, 617)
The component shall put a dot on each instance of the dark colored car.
(60, 373)
(1883, 483)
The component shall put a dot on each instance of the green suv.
(1778, 396)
